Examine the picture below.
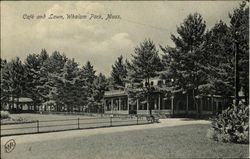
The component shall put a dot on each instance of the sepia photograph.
(124, 79)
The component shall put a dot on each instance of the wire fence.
(9, 129)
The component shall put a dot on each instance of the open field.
(51, 122)
(187, 140)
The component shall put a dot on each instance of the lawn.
(52, 122)
(187, 141)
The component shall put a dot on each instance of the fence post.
(38, 126)
(78, 123)
(111, 121)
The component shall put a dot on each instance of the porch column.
(201, 105)
(104, 106)
(112, 105)
(155, 104)
(147, 106)
(119, 107)
(187, 105)
(172, 105)
(212, 104)
(137, 105)
(159, 102)
(128, 105)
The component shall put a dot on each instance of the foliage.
(184, 61)
(52, 69)
(218, 55)
(5, 115)
(239, 31)
(52, 80)
(12, 79)
(70, 86)
(119, 73)
(34, 76)
(3, 88)
(232, 125)
(144, 65)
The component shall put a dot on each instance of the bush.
(5, 115)
(232, 125)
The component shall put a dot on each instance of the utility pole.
(236, 65)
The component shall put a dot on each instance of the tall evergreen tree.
(4, 89)
(144, 65)
(100, 85)
(33, 65)
(239, 29)
(187, 58)
(69, 92)
(13, 78)
(218, 65)
(119, 73)
(89, 74)
(43, 74)
(51, 90)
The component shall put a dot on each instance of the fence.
(9, 129)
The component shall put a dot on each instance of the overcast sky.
(100, 41)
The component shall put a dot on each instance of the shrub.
(231, 125)
(5, 115)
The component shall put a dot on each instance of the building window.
(160, 83)
(152, 83)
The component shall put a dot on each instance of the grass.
(58, 123)
(169, 142)
(35, 117)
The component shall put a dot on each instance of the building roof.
(23, 100)
(114, 93)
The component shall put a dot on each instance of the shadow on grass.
(190, 119)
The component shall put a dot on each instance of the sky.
(100, 41)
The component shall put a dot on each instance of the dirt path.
(87, 132)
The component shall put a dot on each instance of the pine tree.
(13, 79)
(119, 73)
(89, 74)
(100, 85)
(51, 90)
(239, 29)
(186, 58)
(4, 89)
(219, 67)
(43, 75)
(70, 92)
(32, 67)
(144, 65)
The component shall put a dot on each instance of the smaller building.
(18, 104)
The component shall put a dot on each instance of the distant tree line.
(53, 80)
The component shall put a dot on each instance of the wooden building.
(179, 104)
